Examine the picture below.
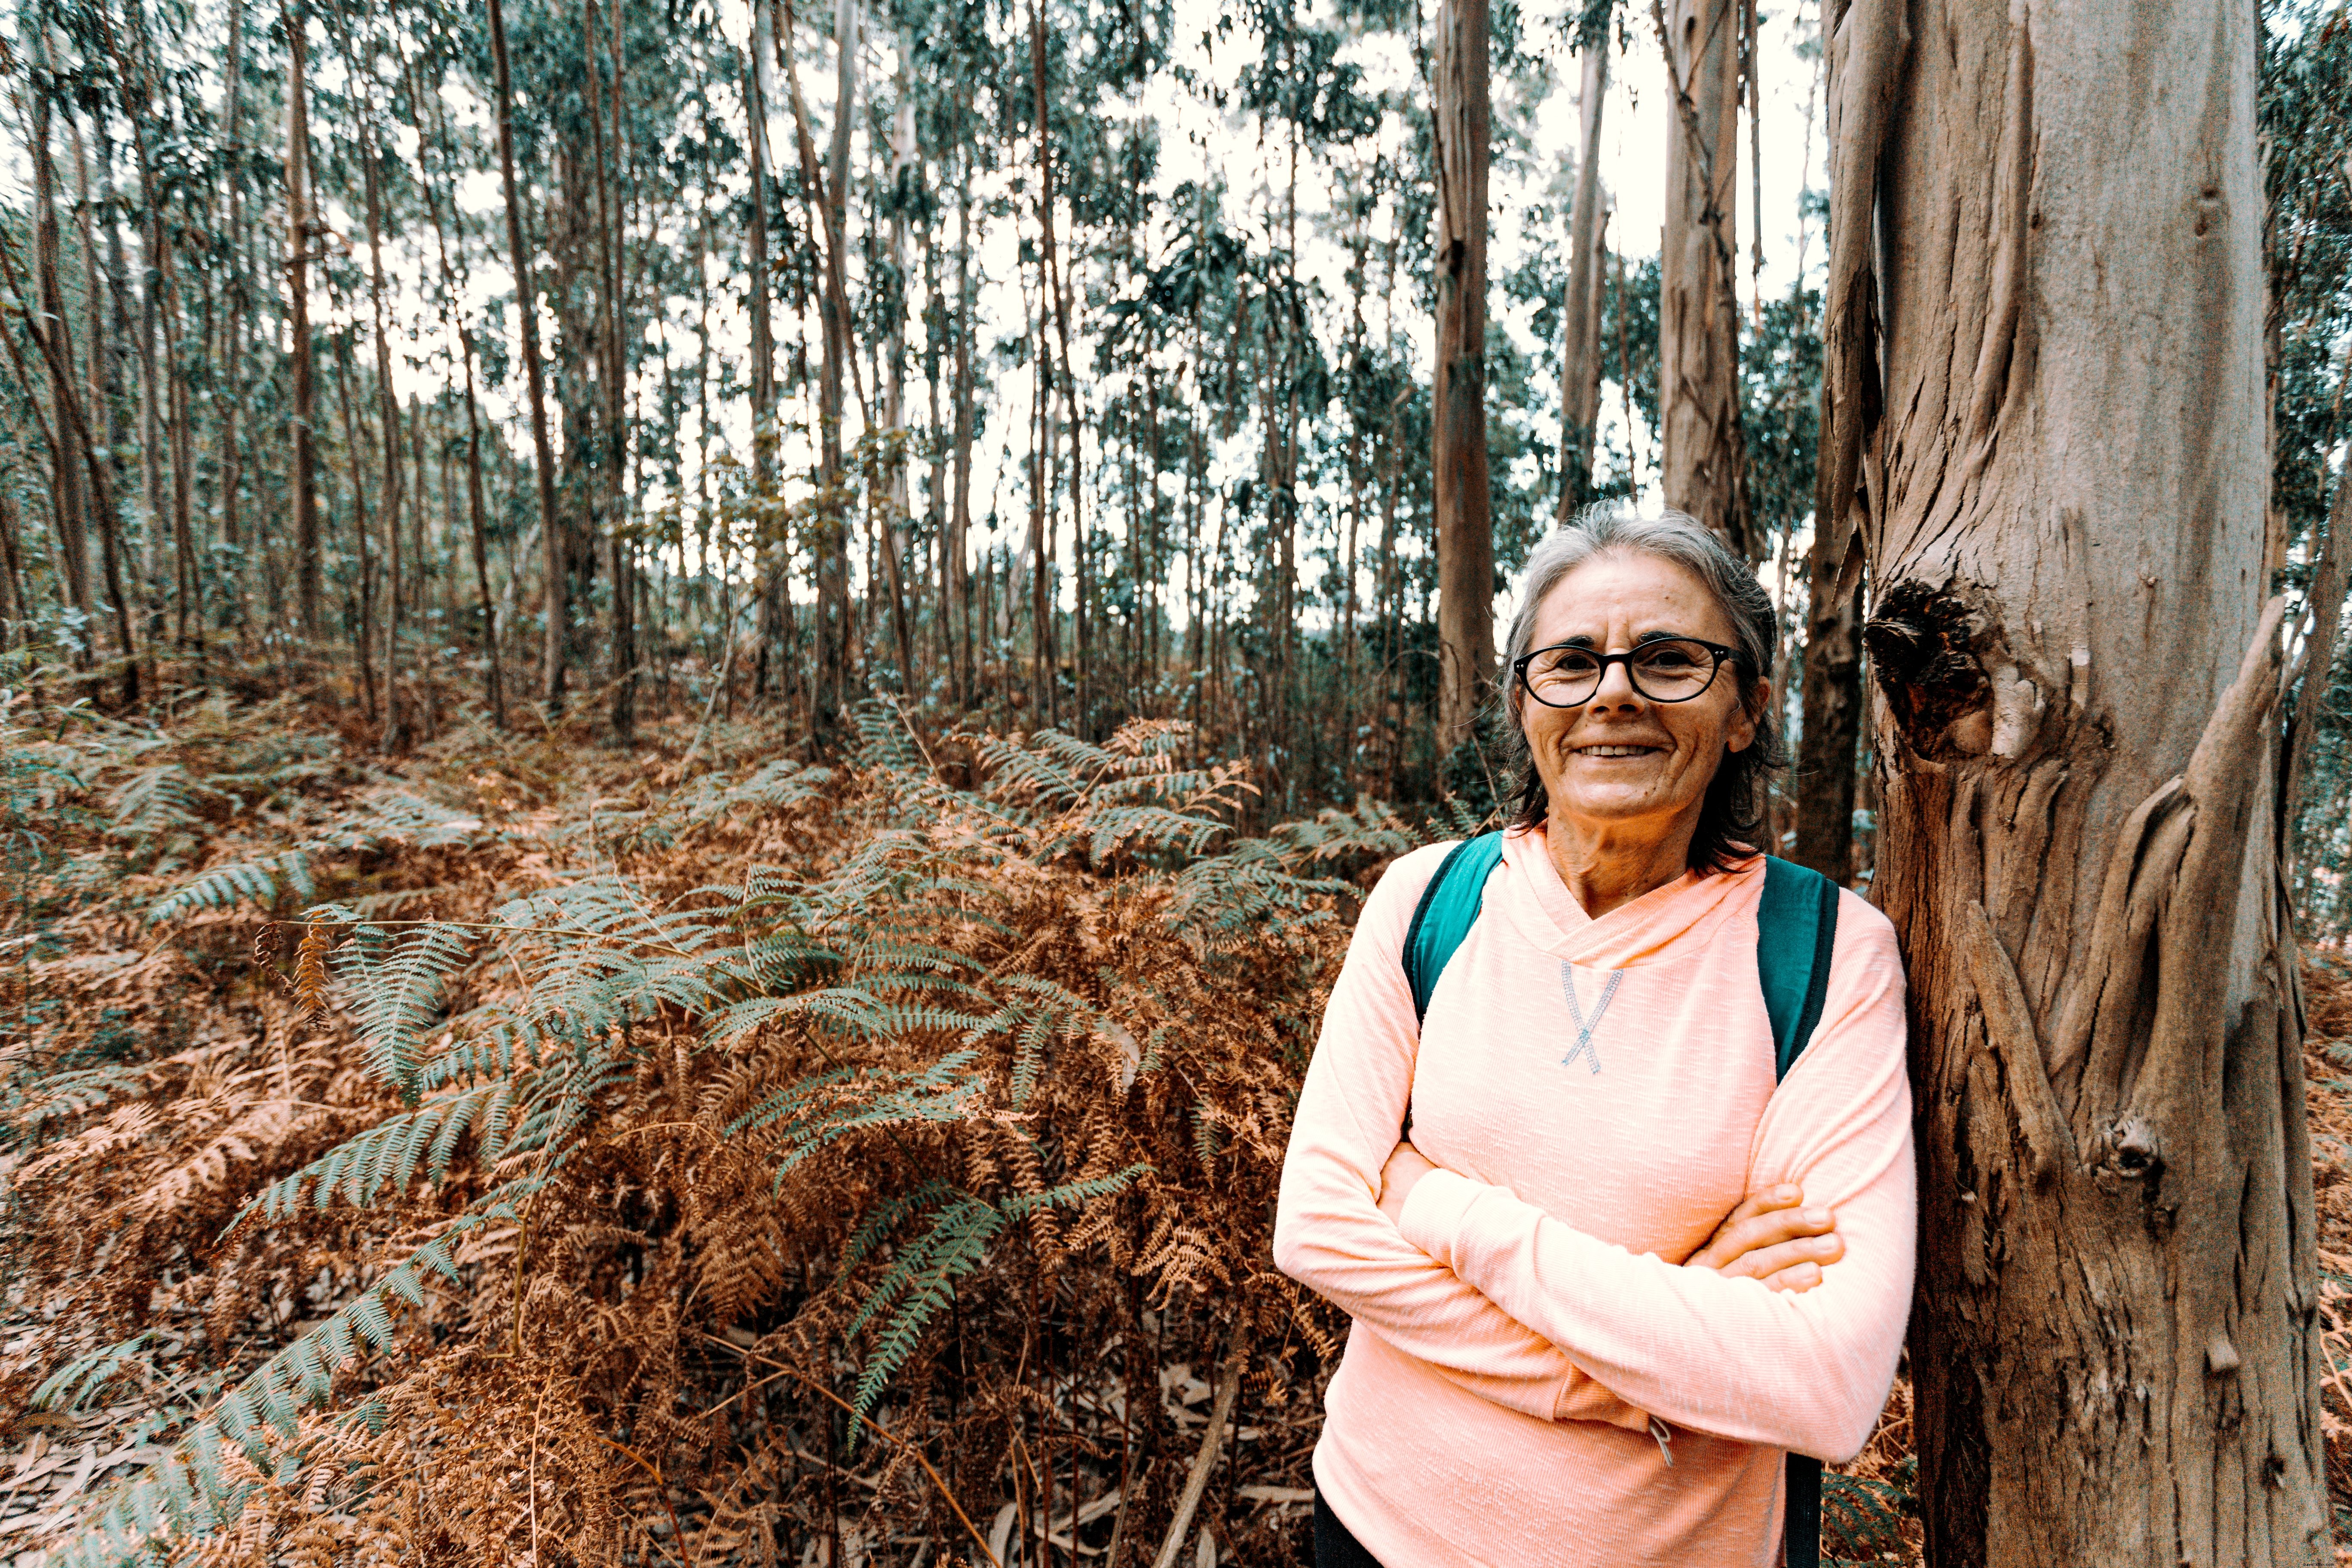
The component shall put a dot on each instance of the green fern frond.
(261, 883)
(397, 990)
(77, 1382)
(924, 1284)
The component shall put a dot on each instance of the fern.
(397, 988)
(1861, 1519)
(922, 1278)
(262, 883)
(77, 1383)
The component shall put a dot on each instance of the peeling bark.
(2061, 496)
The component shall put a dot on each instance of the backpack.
(1796, 927)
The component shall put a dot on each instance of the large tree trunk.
(1832, 726)
(2115, 1348)
(551, 531)
(1579, 348)
(1466, 528)
(1701, 455)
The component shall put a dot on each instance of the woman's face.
(1619, 760)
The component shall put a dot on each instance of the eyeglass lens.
(1667, 670)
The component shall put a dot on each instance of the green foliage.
(77, 1383)
(1863, 1518)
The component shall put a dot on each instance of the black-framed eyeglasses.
(1664, 669)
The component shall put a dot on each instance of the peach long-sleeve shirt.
(1515, 1335)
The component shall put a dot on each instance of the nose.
(1615, 691)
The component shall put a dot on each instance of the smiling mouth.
(1617, 751)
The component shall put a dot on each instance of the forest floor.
(521, 1210)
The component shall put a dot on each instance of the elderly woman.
(1621, 1268)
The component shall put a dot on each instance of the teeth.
(1610, 750)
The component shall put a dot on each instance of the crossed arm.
(1527, 1312)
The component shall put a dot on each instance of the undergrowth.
(542, 1155)
(534, 1156)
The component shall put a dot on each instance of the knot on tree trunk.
(1922, 644)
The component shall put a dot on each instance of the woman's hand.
(1406, 1166)
(1770, 1237)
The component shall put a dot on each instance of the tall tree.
(299, 237)
(66, 496)
(1580, 315)
(2062, 495)
(1463, 125)
(551, 530)
(1701, 459)
(1832, 655)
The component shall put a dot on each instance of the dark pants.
(1334, 1547)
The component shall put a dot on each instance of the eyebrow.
(1585, 642)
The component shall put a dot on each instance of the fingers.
(1723, 1245)
(1762, 1227)
(1815, 1252)
(1764, 1200)
(1796, 1280)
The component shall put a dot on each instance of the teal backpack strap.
(1796, 929)
(1448, 907)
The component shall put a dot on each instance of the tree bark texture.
(1581, 320)
(1466, 528)
(2077, 720)
(1700, 449)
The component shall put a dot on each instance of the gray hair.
(1735, 797)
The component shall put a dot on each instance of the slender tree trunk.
(355, 445)
(477, 506)
(103, 434)
(527, 314)
(604, 149)
(300, 234)
(960, 526)
(233, 343)
(1827, 744)
(764, 341)
(387, 408)
(773, 557)
(1580, 316)
(2326, 610)
(2116, 1347)
(67, 490)
(1464, 522)
(1702, 455)
(826, 198)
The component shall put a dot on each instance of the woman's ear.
(1757, 700)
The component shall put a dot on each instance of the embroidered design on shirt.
(1584, 1046)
